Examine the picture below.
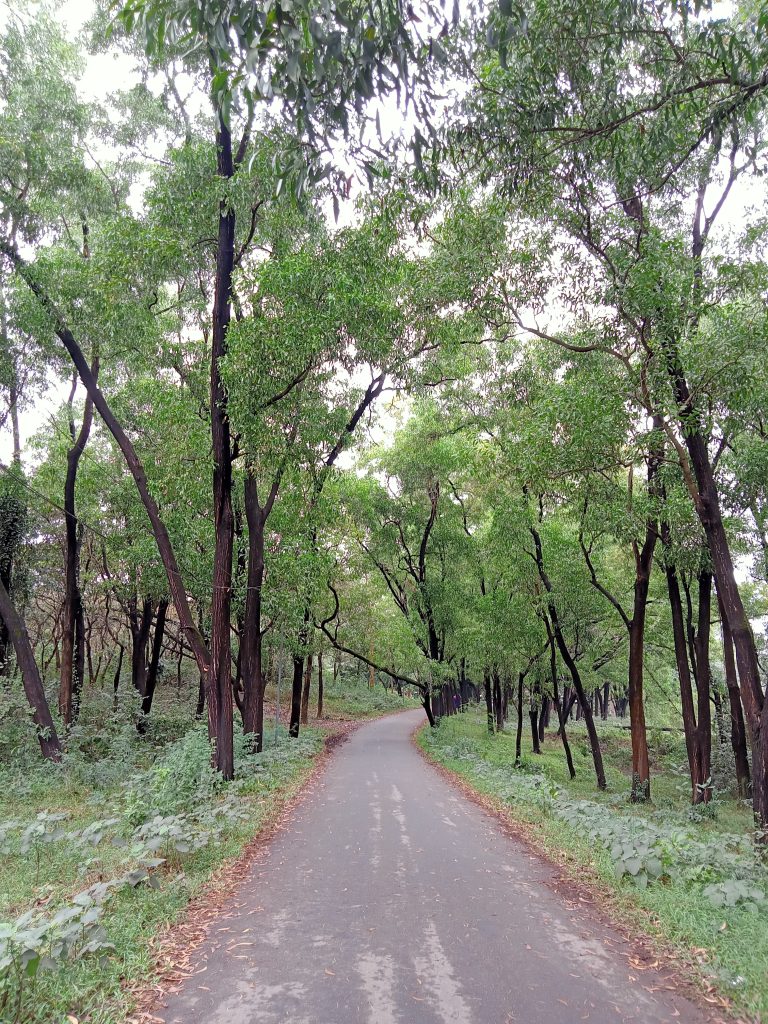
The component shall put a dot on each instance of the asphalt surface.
(390, 898)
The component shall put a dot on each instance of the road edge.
(591, 892)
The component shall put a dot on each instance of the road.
(390, 898)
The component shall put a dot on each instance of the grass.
(111, 773)
(726, 946)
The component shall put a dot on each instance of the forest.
(366, 355)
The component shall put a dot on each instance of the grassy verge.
(660, 869)
(98, 854)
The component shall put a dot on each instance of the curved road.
(390, 898)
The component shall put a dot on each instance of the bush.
(179, 781)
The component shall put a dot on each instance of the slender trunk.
(140, 624)
(704, 684)
(738, 731)
(296, 691)
(73, 630)
(30, 677)
(533, 715)
(320, 684)
(119, 669)
(560, 708)
(154, 663)
(497, 701)
(641, 771)
(488, 699)
(543, 718)
(683, 668)
(426, 702)
(519, 729)
(305, 690)
(254, 681)
(220, 701)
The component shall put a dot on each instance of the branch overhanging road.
(390, 898)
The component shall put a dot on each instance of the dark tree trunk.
(558, 704)
(707, 503)
(254, 681)
(519, 730)
(220, 701)
(641, 770)
(544, 718)
(738, 731)
(296, 691)
(320, 684)
(140, 623)
(118, 670)
(533, 715)
(30, 677)
(488, 699)
(426, 702)
(683, 668)
(305, 690)
(497, 701)
(703, 678)
(154, 663)
(73, 626)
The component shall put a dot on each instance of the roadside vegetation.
(105, 848)
(688, 876)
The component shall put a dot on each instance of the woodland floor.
(388, 896)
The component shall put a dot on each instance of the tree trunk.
(254, 681)
(641, 772)
(30, 677)
(488, 700)
(497, 701)
(533, 715)
(220, 701)
(543, 718)
(707, 503)
(305, 690)
(320, 684)
(426, 702)
(73, 628)
(154, 664)
(683, 669)
(738, 731)
(140, 624)
(704, 684)
(560, 706)
(296, 691)
(519, 730)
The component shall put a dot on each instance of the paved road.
(392, 899)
